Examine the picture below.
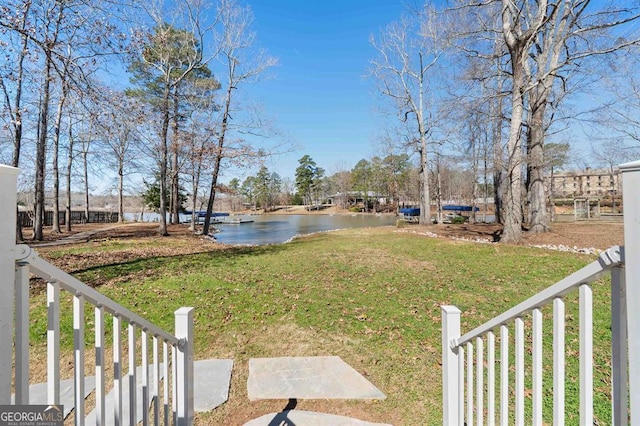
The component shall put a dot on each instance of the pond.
(273, 229)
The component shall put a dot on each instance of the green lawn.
(372, 297)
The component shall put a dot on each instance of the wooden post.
(8, 195)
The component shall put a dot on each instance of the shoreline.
(301, 210)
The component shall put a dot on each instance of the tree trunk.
(498, 160)
(17, 136)
(85, 167)
(69, 168)
(38, 220)
(195, 184)
(163, 162)
(175, 176)
(425, 196)
(474, 190)
(120, 190)
(512, 232)
(438, 191)
(216, 166)
(552, 204)
(54, 159)
(538, 217)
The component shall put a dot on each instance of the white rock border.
(559, 247)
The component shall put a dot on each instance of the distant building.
(352, 198)
(586, 183)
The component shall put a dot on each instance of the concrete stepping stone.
(307, 418)
(324, 377)
(109, 402)
(38, 393)
(212, 378)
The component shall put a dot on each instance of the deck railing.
(479, 388)
(17, 264)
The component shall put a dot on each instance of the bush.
(355, 209)
(458, 219)
(401, 223)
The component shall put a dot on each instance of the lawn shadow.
(152, 263)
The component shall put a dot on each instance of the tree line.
(498, 80)
(393, 178)
(480, 89)
(177, 116)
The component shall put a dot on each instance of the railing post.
(631, 256)
(8, 195)
(450, 372)
(184, 363)
(619, 347)
(22, 333)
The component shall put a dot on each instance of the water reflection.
(273, 229)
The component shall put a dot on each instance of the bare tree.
(574, 31)
(118, 128)
(15, 108)
(407, 52)
(198, 141)
(621, 115)
(69, 35)
(243, 63)
(521, 23)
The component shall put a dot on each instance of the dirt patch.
(598, 235)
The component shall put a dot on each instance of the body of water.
(273, 229)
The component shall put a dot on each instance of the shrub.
(458, 219)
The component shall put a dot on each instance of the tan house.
(586, 183)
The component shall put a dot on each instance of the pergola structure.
(586, 208)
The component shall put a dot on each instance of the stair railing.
(469, 380)
(17, 264)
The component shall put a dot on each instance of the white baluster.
(469, 383)
(558, 361)
(53, 343)
(504, 375)
(117, 372)
(491, 378)
(479, 381)
(100, 367)
(536, 359)
(519, 396)
(78, 358)
(586, 355)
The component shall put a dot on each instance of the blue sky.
(319, 93)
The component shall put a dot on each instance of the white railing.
(480, 388)
(17, 264)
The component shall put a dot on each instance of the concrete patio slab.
(110, 400)
(324, 377)
(308, 418)
(212, 378)
(38, 393)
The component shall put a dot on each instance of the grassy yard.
(370, 296)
